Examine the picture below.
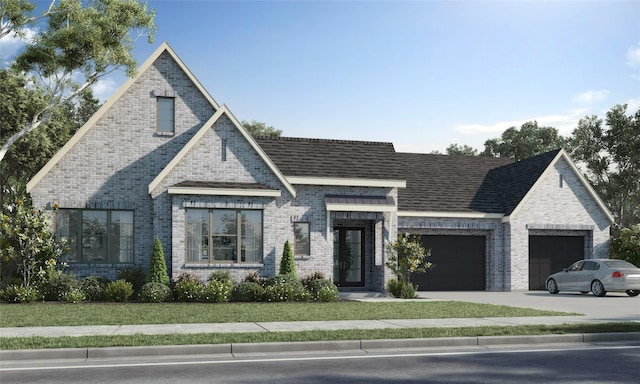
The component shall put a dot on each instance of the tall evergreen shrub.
(157, 265)
(287, 264)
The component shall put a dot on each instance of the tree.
(405, 257)
(78, 41)
(157, 265)
(259, 129)
(529, 140)
(626, 245)
(287, 264)
(461, 150)
(15, 15)
(32, 151)
(611, 156)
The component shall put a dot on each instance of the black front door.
(348, 257)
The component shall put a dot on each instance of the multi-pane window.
(302, 240)
(223, 235)
(165, 114)
(96, 236)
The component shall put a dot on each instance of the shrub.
(247, 291)
(253, 277)
(323, 290)
(94, 288)
(306, 281)
(19, 294)
(119, 290)
(284, 288)
(58, 285)
(155, 292)
(287, 264)
(216, 291)
(188, 288)
(406, 257)
(221, 275)
(134, 275)
(400, 289)
(157, 265)
(75, 295)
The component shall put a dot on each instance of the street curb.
(313, 346)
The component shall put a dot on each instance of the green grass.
(263, 337)
(61, 314)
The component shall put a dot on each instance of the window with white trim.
(165, 114)
(223, 236)
(96, 236)
(302, 243)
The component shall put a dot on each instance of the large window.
(223, 235)
(165, 114)
(302, 243)
(96, 236)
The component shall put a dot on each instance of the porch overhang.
(346, 203)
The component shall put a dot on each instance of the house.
(163, 159)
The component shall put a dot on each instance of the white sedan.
(598, 276)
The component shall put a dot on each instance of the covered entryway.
(459, 263)
(348, 257)
(550, 254)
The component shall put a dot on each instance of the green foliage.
(626, 245)
(323, 290)
(405, 257)
(611, 155)
(528, 141)
(284, 288)
(134, 275)
(400, 289)
(247, 291)
(26, 240)
(19, 294)
(259, 129)
(221, 275)
(253, 277)
(307, 280)
(58, 285)
(155, 292)
(94, 288)
(461, 150)
(216, 291)
(157, 265)
(75, 295)
(119, 290)
(188, 288)
(287, 264)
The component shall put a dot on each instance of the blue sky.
(421, 74)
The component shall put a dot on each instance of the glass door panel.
(348, 253)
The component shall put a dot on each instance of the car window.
(590, 266)
(618, 264)
(577, 266)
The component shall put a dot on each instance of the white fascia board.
(349, 182)
(457, 215)
(224, 192)
(360, 208)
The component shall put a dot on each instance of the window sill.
(164, 134)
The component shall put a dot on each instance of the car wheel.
(633, 292)
(552, 287)
(597, 288)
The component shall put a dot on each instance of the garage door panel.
(459, 264)
(550, 254)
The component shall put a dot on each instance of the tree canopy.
(76, 39)
(611, 158)
(260, 129)
(529, 140)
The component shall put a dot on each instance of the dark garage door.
(549, 254)
(459, 264)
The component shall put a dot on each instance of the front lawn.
(61, 314)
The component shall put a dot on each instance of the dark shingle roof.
(447, 183)
(331, 158)
(512, 182)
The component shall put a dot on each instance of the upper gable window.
(165, 114)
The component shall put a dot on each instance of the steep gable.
(125, 116)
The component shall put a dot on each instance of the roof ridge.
(287, 138)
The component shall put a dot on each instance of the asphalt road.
(571, 363)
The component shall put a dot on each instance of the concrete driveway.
(614, 306)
